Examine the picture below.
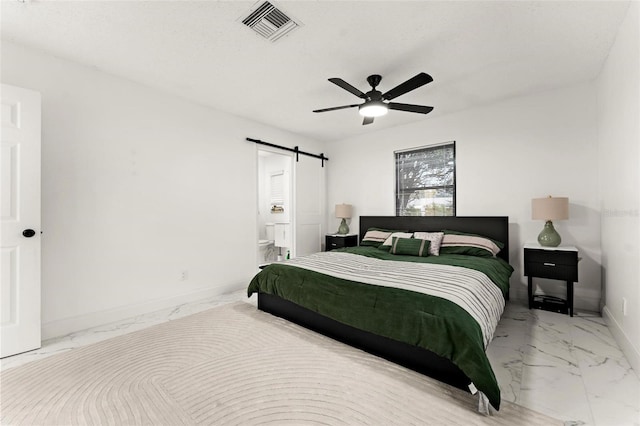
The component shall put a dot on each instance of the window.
(426, 181)
(277, 187)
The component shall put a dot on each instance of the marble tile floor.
(568, 368)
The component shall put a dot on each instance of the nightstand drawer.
(551, 270)
(335, 243)
(339, 241)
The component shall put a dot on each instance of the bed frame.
(415, 358)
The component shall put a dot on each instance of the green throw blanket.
(422, 320)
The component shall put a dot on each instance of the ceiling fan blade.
(367, 120)
(335, 108)
(421, 109)
(349, 88)
(409, 85)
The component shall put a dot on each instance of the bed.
(403, 307)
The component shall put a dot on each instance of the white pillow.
(472, 241)
(389, 240)
(374, 237)
(434, 237)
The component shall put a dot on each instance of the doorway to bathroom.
(275, 206)
(291, 205)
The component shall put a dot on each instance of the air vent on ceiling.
(270, 22)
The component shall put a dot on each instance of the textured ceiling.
(477, 52)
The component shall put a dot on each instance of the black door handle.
(28, 233)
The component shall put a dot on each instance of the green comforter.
(425, 321)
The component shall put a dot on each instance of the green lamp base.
(344, 228)
(549, 237)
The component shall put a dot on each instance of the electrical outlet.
(184, 275)
(624, 306)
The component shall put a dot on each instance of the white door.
(310, 200)
(20, 234)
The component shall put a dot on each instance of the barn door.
(310, 200)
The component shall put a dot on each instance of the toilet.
(266, 249)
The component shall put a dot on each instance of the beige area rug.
(234, 365)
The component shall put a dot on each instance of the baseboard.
(70, 325)
(628, 347)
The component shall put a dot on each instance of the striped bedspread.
(472, 290)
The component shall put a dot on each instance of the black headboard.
(494, 227)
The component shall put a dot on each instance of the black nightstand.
(334, 241)
(556, 263)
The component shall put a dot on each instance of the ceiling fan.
(375, 105)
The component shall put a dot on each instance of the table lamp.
(549, 209)
(343, 211)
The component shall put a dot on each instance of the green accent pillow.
(467, 251)
(410, 247)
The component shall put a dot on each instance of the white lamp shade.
(550, 208)
(343, 211)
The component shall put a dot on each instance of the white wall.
(137, 186)
(506, 154)
(619, 183)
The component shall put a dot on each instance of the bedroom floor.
(568, 368)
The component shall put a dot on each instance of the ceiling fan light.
(373, 109)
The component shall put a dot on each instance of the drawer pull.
(549, 264)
